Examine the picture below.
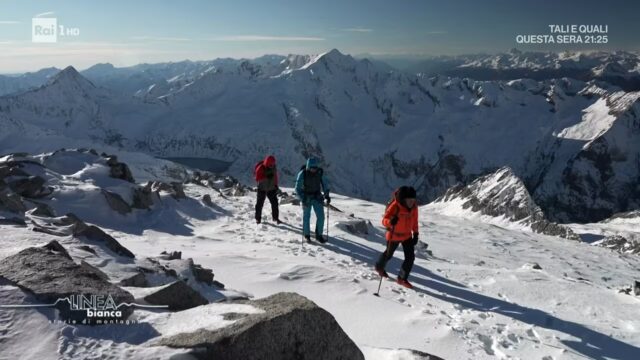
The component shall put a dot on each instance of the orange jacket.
(407, 221)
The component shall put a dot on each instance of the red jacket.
(407, 221)
(260, 169)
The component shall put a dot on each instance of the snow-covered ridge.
(619, 67)
(504, 198)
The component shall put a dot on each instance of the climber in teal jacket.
(310, 187)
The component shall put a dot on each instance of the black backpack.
(304, 170)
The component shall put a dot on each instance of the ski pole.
(377, 293)
(385, 251)
(328, 210)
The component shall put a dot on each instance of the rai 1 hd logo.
(47, 30)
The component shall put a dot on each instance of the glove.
(414, 239)
(328, 198)
(393, 221)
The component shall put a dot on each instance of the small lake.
(203, 164)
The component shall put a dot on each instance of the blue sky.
(130, 32)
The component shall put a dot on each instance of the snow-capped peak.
(500, 195)
(69, 76)
(332, 56)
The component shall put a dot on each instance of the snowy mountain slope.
(373, 129)
(478, 297)
(21, 82)
(503, 199)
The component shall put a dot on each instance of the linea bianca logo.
(90, 309)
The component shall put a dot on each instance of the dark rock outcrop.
(174, 255)
(621, 244)
(503, 194)
(291, 328)
(119, 170)
(11, 201)
(137, 280)
(42, 210)
(355, 226)
(177, 295)
(30, 187)
(116, 202)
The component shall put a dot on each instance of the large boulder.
(53, 277)
(30, 187)
(291, 327)
(143, 197)
(355, 226)
(177, 295)
(11, 201)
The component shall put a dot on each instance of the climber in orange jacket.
(401, 221)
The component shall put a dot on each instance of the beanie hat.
(269, 161)
(312, 162)
(406, 192)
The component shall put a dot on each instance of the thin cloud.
(48, 13)
(8, 22)
(436, 32)
(358, 29)
(266, 38)
(159, 38)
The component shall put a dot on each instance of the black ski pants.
(409, 257)
(273, 199)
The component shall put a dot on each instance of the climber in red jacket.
(266, 176)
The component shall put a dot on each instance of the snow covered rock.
(175, 189)
(620, 244)
(290, 327)
(50, 274)
(177, 295)
(502, 194)
(70, 224)
(355, 226)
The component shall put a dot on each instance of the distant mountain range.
(574, 144)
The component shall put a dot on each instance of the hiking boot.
(404, 283)
(308, 237)
(321, 238)
(382, 273)
(258, 221)
(278, 221)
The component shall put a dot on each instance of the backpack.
(394, 196)
(255, 170)
(304, 169)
